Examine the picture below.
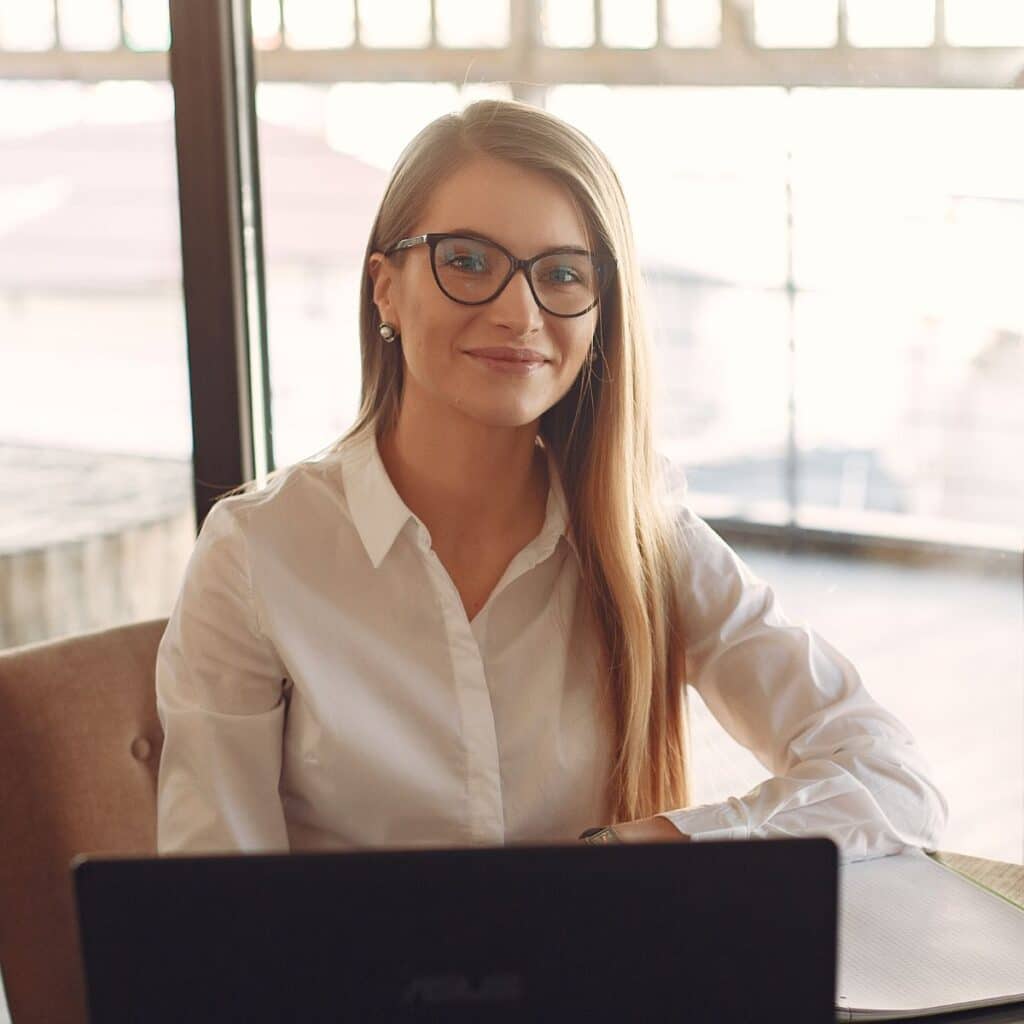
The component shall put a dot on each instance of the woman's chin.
(507, 415)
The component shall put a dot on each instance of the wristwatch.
(601, 834)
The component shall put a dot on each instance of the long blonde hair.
(599, 434)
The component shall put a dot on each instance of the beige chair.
(79, 748)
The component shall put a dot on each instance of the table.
(1006, 880)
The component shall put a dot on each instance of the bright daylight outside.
(834, 282)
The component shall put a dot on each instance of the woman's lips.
(518, 362)
(524, 355)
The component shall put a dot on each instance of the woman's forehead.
(525, 210)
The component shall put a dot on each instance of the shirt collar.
(379, 514)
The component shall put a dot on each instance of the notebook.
(916, 938)
(716, 931)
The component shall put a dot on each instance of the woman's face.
(527, 213)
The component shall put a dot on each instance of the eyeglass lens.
(470, 270)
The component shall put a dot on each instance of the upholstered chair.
(79, 749)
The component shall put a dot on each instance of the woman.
(473, 620)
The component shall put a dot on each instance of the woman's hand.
(650, 830)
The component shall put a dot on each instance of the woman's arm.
(843, 766)
(219, 689)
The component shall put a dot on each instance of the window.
(95, 438)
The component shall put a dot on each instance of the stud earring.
(387, 331)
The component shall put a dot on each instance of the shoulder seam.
(237, 520)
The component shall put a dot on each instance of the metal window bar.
(736, 61)
(940, 24)
(842, 25)
(280, 22)
(55, 7)
(252, 239)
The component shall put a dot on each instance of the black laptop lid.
(715, 931)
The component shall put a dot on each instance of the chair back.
(80, 746)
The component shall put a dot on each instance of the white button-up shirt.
(320, 687)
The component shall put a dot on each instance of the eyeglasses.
(472, 271)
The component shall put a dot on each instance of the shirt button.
(141, 748)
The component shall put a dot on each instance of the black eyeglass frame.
(600, 265)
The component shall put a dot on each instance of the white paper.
(5, 1014)
(915, 937)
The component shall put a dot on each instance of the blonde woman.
(473, 621)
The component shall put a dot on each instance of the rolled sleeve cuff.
(726, 820)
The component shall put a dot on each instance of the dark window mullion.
(217, 275)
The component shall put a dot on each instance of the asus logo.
(457, 988)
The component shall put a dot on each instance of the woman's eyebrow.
(469, 231)
(473, 232)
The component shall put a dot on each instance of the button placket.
(483, 769)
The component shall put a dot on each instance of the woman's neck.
(470, 484)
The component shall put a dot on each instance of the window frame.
(211, 71)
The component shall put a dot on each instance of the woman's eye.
(469, 262)
(563, 275)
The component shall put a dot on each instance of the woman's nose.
(516, 309)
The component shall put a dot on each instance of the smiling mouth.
(517, 367)
(509, 355)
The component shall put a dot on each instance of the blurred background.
(828, 200)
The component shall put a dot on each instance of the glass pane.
(796, 23)
(146, 24)
(394, 23)
(567, 23)
(693, 22)
(629, 23)
(266, 24)
(314, 25)
(984, 23)
(469, 23)
(880, 23)
(95, 432)
(27, 26)
(908, 210)
(88, 24)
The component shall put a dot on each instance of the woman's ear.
(382, 275)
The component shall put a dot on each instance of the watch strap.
(600, 835)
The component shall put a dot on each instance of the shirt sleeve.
(843, 767)
(220, 698)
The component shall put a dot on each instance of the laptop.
(711, 931)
